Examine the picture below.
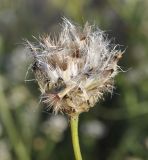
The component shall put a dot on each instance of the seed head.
(74, 69)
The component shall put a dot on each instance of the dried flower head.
(74, 69)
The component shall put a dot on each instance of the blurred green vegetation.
(116, 129)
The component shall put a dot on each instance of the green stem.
(75, 137)
(9, 124)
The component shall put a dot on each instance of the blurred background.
(116, 129)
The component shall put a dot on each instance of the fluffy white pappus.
(74, 69)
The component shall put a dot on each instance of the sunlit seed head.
(74, 69)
